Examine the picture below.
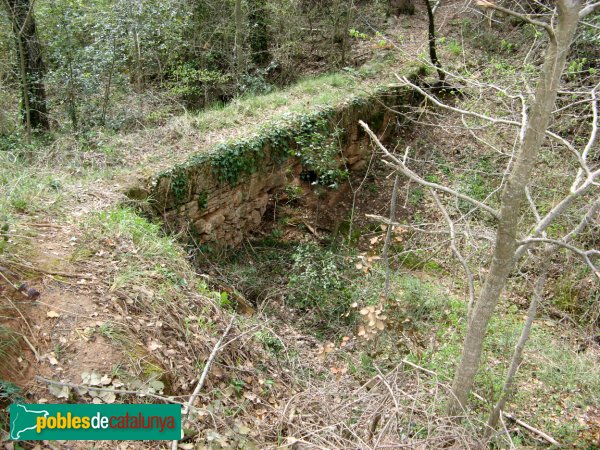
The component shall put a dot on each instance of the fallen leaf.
(153, 345)
(59, 391)
(52, 314)
(157, 385)
(243, 429)
(107, 397)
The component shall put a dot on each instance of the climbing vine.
(179, 186)
(311, 137)
(202, 200)
(318, 149)
(233, 160)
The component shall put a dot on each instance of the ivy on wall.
(202, 200)
(312, 137)
(319, 150)
(180, 186)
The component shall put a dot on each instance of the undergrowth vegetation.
(319, 289)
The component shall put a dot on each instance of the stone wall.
(221, 195)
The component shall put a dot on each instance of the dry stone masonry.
(220, 195)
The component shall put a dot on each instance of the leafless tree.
(510, 242)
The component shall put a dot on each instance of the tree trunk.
(347, 20)
(259, 33)
(238, 50)
(538, 292)
(72, 96)
(137, 70)
(109, 82)
(503, 261)
(32, 69)
(388, 236)
(432, 44)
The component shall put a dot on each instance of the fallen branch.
(14, 286)
(29, 344)
(213, 354)
(114, 391)
(310, 228)
(45, 225)
(528, 427)
(32, 348)
(44, 271)
(423, 369)
(208, 364)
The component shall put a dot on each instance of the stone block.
(255, 218)
(257, 184)
(262, 202)
(354, 160)
(215, 219)
(276, 181)
(201, 226)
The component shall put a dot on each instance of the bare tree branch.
(585, 254)
(524, 18)
(531, 315)
(399, 165)
(495, 120)
(591, 140)
(557, 210)
(456, 251)
(390, 227)
(587, 10)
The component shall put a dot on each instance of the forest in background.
(112, 64)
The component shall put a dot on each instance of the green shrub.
(193, 85)
(317, 281)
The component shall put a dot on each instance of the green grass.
(454, 47)
(304, 96)
(9, 341)
(152, 267)
(151, 272)
(25, 189)
(553, 380)
(26, 193)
